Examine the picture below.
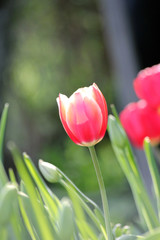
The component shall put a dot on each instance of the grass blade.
(50, 199)
(154, 172)
(43, 222)
(3, 176)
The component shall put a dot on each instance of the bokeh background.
(52, 46)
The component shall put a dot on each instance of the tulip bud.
(116, 132)
(66, 221)
(84, 115)
(49, 171)
(8, 195)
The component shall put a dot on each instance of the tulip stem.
(102, 191)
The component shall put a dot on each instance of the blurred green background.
(51, 47)
(56, 47)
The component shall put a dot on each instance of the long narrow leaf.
(50, 199)
(43, 222)
(127, 161)
(85, 229)
(155, 235)
(2, 128)
(3, 176)
(154, 171)
(28, 216)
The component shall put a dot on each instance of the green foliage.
(125, 156)
(31, 211)
(75, 162)
(8, 196)
(44, 215)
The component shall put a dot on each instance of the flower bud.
(116, 132)
(49, 171)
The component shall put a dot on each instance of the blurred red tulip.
(139, 121)
(84, 115)
(147, 85)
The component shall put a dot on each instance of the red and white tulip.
(84, 115)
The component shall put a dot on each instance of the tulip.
(147, 85)
(84, 115)
(139, 121)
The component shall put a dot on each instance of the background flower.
(140, 120)
(147, 85)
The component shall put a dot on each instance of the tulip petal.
(94, 114)
(84, 118)
(63, 103)
(99, 98)
(131, 121)
(147, 85)
(140, 121)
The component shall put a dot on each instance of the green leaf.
(129, 237)
(28, 215)
(50, 199)
(155, 235)
(12, 177)
(154, 171)
(96, 215)
(86, 231)
(8, 195)
(66, 220)
(44, 224)
(3, 233)
(129, 165)
(3, 176)
(2, 128)
(117, 133)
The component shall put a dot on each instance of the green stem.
(103, 192)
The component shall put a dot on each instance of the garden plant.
(29, 209)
